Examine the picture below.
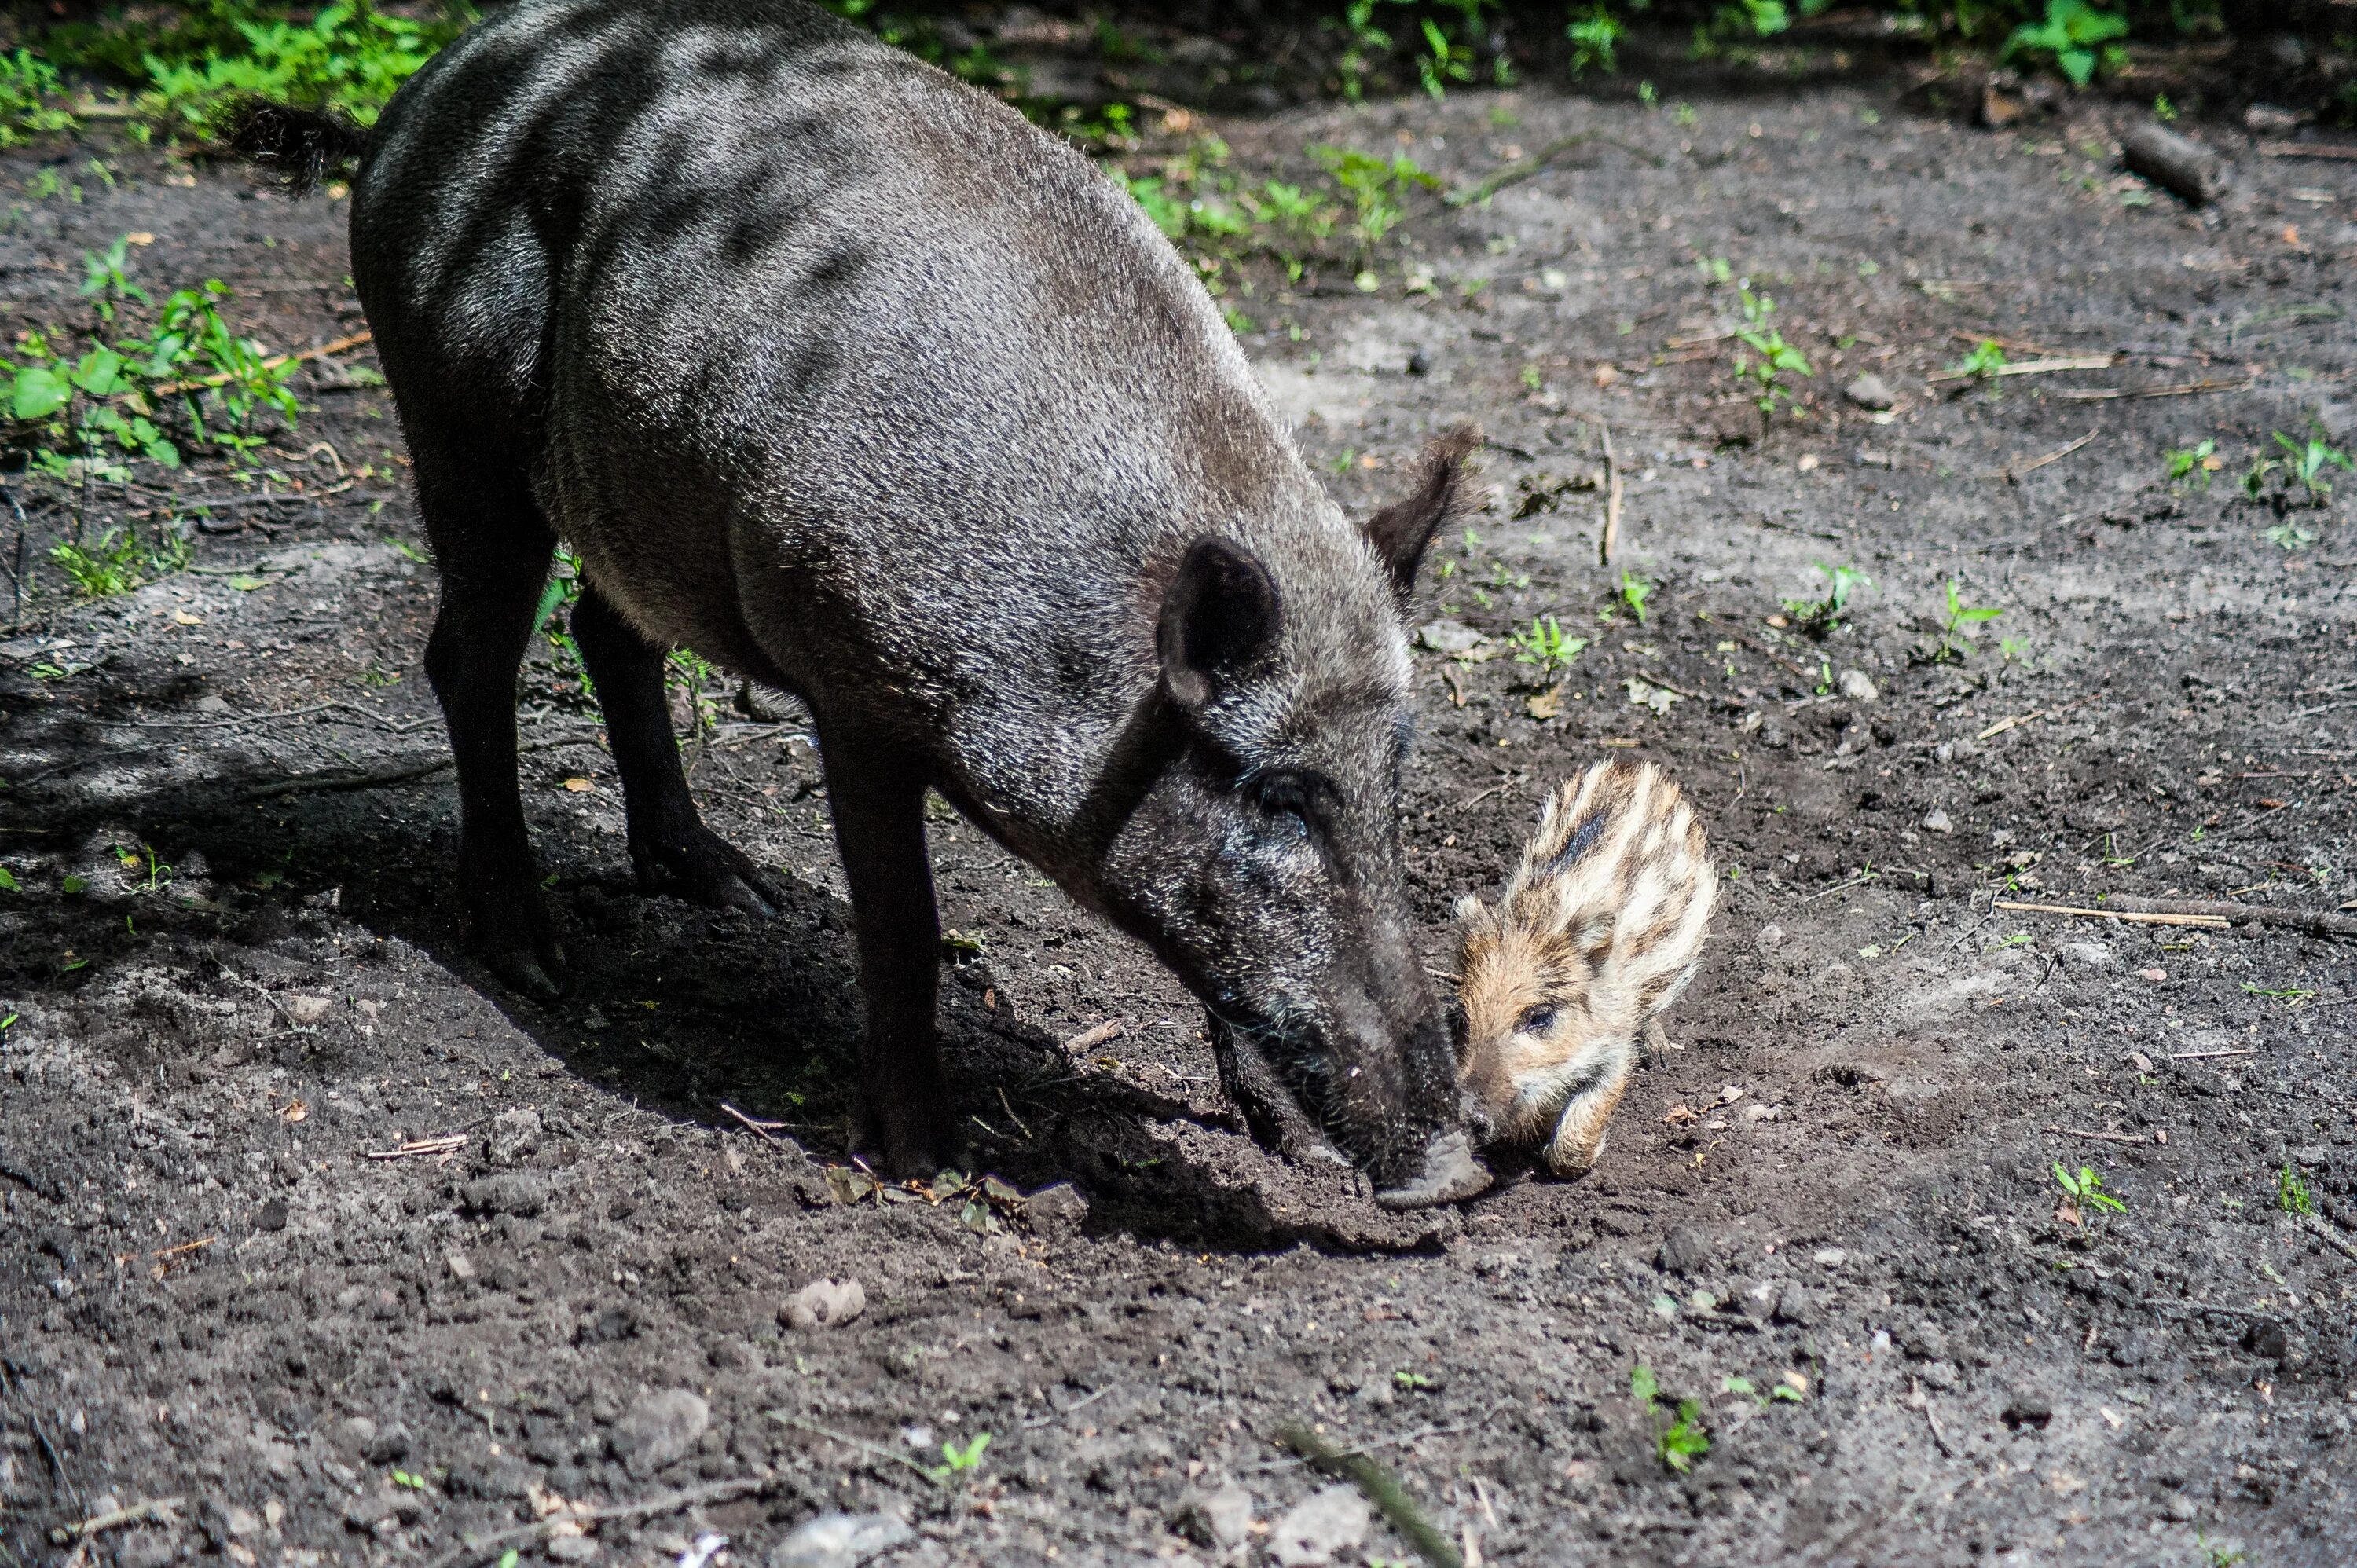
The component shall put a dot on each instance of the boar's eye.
(1535, 1020)
(1286, 798)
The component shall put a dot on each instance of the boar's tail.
(301, 146)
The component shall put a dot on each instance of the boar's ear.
(1400, 532)
(1219, 617)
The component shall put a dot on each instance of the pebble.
(1831, 1257)
(1448, 637)
(302, 1010)
(2087, 955)
(1682, 1251)
(1327, 1525)
(1060, 1211)
(1856, 687)
(571, 1548)
(1771, 935)
(2155, 975)
(1870, 391)
(1936, 821)
(2027, 1407)
(840, 1541)
(1220, 1519)
(145, 1549)
(1939, 1376)
(513, 1136)
(2178, 1508)
(825, 1303)
(1793, 1304)
(659, 1428)
(1926, 1342)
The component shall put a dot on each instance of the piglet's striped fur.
(1598, 929)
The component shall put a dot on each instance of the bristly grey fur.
(848, 378)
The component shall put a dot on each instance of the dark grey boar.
(844, 375)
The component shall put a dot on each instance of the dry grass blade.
(1382, 1489)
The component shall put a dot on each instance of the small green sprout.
(1634, 592)
(1677, 1443)
(1821, 616)
(2086, 1190)
(1411, 1382)
(1986, 362)
(1954, 644)
(1775, 357)
(2307, 462)
(1545, 645)
(960, 1461)
(2197, 463)
(2291, 1193)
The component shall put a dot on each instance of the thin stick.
(486, 1546)
(2310, 921)
(2309, 150)
(2212, 922)
(200, 383)
(2056, 456)
(875, 1449)
(2212, 1055)
(2007, 723)
(114, 1519)
(2182, 389)
(1613, 491)
(1382, 1489)
(2106, 1137)
(1522, 169)
(2034, 367)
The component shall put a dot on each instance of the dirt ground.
(241, 1272)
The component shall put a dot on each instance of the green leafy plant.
(2196, 463)
(1377, 189)
(1954, 643)
(1771, 358)
(2075, 36)
(1819, 617)
(1632, 592)
(558, 595)
(959, 1460)
(2289, 536)
(1545, 645)
(1984, 363)
(1595, 34)
(117, 561)
(2309, 460)
(2087, 1192)
(351, 56)
(27, 86)
(2291, 1193)
(1678, 1440)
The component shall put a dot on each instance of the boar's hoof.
(707, 870)
(909, 1148)
(1451, 1175)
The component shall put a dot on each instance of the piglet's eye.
(1535, 1020)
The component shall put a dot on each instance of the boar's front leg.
(901, 1116)
(671, 849)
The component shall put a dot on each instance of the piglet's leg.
(1579, 1134)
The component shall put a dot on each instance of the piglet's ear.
(1219, 620)
(1401, 532)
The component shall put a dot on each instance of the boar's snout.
(1448, 1173)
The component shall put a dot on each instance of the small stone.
(514, 1134)
(145, 1549)
(1448, 637)
(2086, 955)
(1060, 1211)
(1936, 821)
(660, 1427)
(1925, 1342)
(1870, 391)
(2155, 975)
(2027, 1407)
(271, 1216)
(1682, 1252)
(380, 1509)
(460, 1269)
(1771, 935)
(1939, 1376)
(2178, 1508)
(1419, 363)
(1856, 687)
(2266, 1339)
(1830, 1257)
(1793, 1304)
(1220, 1519)
(1326, 1526)
(825, 1303)
(387, 1446)
(571, 1548)
(353, 1434)
(303, 1011)
(839, 1540)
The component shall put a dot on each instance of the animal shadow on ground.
(671, 1006)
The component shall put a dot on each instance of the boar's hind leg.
(902, 1115)
(671, 849)
(492, 547)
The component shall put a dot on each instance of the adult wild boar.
(845, 376)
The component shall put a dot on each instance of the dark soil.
(224, 1284)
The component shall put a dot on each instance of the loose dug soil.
(313, 1228)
